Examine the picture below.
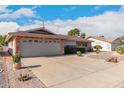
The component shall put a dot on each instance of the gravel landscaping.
(3, 82)
(33, 82)
(9, 77)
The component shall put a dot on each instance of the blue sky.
(72, 12)
(105, 20)
(63, 12)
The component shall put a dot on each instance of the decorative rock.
(112, 59)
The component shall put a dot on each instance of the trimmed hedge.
(73, 49)
(70, 50)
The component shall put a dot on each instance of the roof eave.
(8, 38)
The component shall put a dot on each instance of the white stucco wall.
(11, 45)
(14, 47)
(106, 46)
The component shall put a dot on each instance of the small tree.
(97, 48)
(74, 32)
(120, 49)
(2, 40)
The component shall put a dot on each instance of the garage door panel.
(29, 49)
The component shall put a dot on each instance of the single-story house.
(107, 44)
(41, 42)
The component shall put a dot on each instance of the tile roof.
(101, 38)
(34, 35)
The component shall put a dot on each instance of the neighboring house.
(40, 42)
(107, 44)
(121, 39)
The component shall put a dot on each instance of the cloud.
(4, 8)
(36, 6)
(97, 7)
(22, 12)
(121, 9)
(6, 27)
(70, 9)
(110, 24)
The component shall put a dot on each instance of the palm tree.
(83, 35)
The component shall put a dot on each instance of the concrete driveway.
(73, 71)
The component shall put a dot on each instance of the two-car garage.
(37, 47)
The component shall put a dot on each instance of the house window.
(54, 41)
(24, 40)
(84, 44)
(36, 41)
(30, 40)
(46, 41)
(50, 41)
(40, 41)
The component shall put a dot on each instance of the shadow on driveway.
(32, 66)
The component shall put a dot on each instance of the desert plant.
(79, 53)
(16, 61)
(17, 58)
(23, 77)
(97, 48)
(120, 49)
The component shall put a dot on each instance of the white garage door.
(30, 48)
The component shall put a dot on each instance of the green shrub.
(79, 53)
(97, 48)
(69, 50)
(82, 49)
(17, 58)
(73, 49)
(120, 49)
